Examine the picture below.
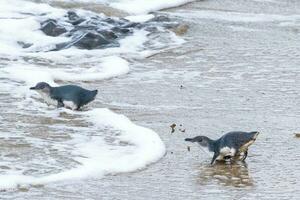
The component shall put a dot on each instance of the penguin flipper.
(214, 158)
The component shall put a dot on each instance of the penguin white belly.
(70, 104)
(226, 151)
(48, 99)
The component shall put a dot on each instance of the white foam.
(96, 157)
(146, 6)
(137, 7)
(139, 18)
(108, 67)
(19, 21)
(132, 148)
(20, 9)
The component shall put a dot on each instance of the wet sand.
(235, 75)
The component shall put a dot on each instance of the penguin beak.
(32, 88)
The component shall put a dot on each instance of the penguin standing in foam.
(68, 96)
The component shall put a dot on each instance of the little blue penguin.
(232, 145)
(68, 96)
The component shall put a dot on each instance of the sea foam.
(107, 67)
(97, 158)
(136, 7)
(105, 143)
(130, 147)
(146, 6)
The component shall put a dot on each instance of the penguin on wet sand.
(68, 96)
(230, 146)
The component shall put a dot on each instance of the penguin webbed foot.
(245, 156)
(60, 104)
(78, 108)
(227, 158)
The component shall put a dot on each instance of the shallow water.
(238, 70)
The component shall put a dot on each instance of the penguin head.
(203, 141)
(41, 87)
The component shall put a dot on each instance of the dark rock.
(110, 21)
(119, 30)
(116, 22)
(92, 41)
(61, 46)
(76, 22)
(130, 25)
(160, 18)
(151, 29)
(123, 21)
(47, 21)
(82, 28)
(24, 44)
(170, 25)
(96, 32)
(72, 15)
(51, 28)
(109, 35)
(74, 19)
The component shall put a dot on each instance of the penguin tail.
(95, 92)
(254, 134)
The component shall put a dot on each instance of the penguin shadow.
(233, 174)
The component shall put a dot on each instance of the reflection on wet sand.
(236, 175)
